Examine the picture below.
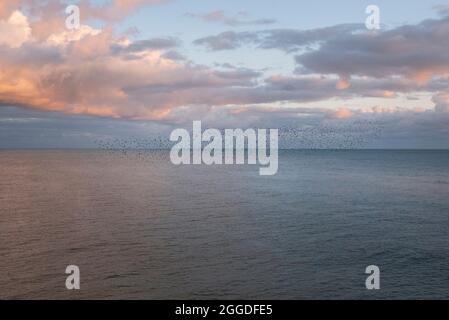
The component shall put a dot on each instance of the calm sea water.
(139, 227)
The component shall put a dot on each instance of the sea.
(139, 227)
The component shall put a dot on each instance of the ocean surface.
(139, 227)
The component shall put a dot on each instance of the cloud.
(49, 16)
(442, 9)
(115, 9)
(15, 31)
(97, 72)
(413, 51)
(84, 73)
(441, 101)
(283, 39)
(67, 37)
(7, 7)
(240, 19)
(405, 59)
(174, 55)
(299, 127)
(342, 113)
(146, 45)
(227, 40)
(93, 72)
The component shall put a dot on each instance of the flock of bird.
(354, 135)
(349, 136)
(137, 148)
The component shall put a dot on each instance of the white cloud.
(15, 31)
(72, 35)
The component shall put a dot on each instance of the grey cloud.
(299, 127)
(313, 128)
(292, 40)
(442, 9)
(318, 88)
(417, 51)
(219, 16)
(27, 128)
(30, 54)
(174, 55)
(413, 51)
(227, 40)
(149, 44)
(283, 39)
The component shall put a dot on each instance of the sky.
(137, 69)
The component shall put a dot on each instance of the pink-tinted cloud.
(97, 72)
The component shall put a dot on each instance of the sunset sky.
(139, 68)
